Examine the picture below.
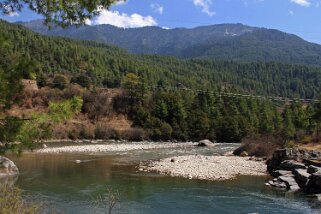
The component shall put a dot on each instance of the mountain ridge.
(236, 42)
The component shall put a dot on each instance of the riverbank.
(206, 167)
(113, 147)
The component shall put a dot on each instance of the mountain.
(107, 65)
(224, 41)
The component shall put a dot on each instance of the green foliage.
(107, 66)
(132, 85)
(250, 44)
(184, 115)
(82, 80)
(13, 202)
(63, 111)
(62, 13)
(59, 82)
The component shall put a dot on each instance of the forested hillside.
(107, 65)
(223, 41)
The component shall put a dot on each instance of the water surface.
(71, 187)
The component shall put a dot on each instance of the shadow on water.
(70, 186)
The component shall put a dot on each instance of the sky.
(300, 17)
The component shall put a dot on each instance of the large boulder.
(278, 173)
(290, 182)
(302, 177)
(314, 184)
(313, 169)
(312, 162)
(7, 167)
(274, 163)
(291, 165)
(204, 143)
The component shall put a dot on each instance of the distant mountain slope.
(107, 65)
(224, 41)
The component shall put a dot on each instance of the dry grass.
(12, 202)
(311, 146)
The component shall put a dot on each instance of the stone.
(204, 143)
(290, 182)
(44, 146)
(279, 155)
(278, 173)
(292, 165)
(314, 184)
(7, 167)
(277, 184)
(173, 160)
(312, 162)
(313, 169)
(244, 154)
(302, 177)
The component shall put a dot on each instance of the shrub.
(12, 202)
(59, 82)
(72, 91)
(105, 132)
(96, 105)
(87, 131)
(82, 80)
(134, 134)
(262, 145)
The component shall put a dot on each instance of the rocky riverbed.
(113, 147)
(296, 170)
(206, 167)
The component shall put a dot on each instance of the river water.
(69, 187)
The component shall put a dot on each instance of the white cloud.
(124, 20)
(88, 22)
(13, 14)
(205, 5)
(304, 3)
(121, 2)
(157, 8)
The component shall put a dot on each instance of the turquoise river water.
(69, 187)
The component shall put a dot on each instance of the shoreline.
(191, 166)
(212, 168)
(113, 147)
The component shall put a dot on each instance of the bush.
(59, 82)
(262, 145)
(134, 134)
(82, 80)
(72, 91)
(96, 105)
(87, 132)
(12, 202)
(104, 132)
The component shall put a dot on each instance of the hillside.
(224, 41)
(106, 66)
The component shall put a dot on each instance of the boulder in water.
(314, 184)
(204, 143)
(7, 167)
(292, 165)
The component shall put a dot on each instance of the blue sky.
(301, 17)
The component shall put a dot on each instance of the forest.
(107, 65)
(153, 93)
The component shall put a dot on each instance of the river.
(59, 182)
